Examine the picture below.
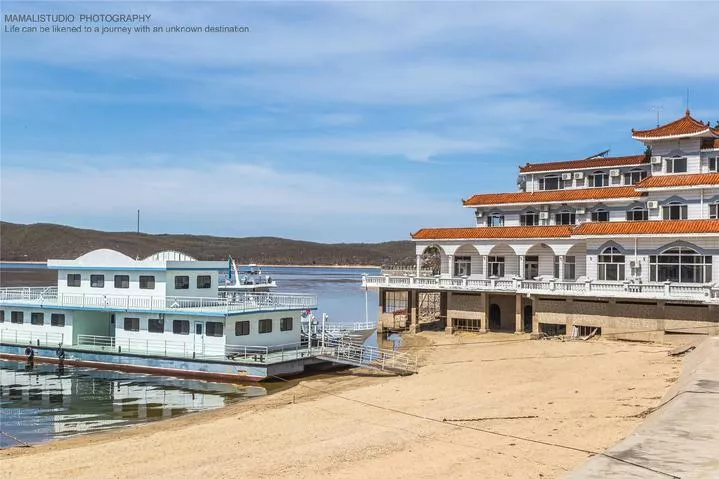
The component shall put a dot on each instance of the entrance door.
(111, 331)
(198, 339)
(531, 267)
(495, 317)
(528, 319)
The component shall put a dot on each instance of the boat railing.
(358, 326)
(31, 338)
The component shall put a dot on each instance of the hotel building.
(627, 245)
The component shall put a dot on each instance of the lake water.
(43, 402)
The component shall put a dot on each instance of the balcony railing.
(240, 302)
(678, 291)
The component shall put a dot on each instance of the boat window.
(214, 328)
(204, 281)
(57, 319)
(97, 280)
(17, 317)
(181, 326)
(155, 325)
(147, 282)
(122, 281)
(37, 319)
(132, 324)
(286, 324)
(265, 326)
(73, 280)
(2, 316)
(182, 282)
(242, 328)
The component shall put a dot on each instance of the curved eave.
(556, 202)
(529, 238)
(672, 188)
(646, 235)
(681, 135)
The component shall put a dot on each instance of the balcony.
(239, 303)
(705, 293)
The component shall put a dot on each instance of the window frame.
(33, 318)
(206, 281)
(71, 278)
(715, 167)
(147, 281)
(668, 209)
(262, 326)
(673, 160)
(595, 215)
(17, 317)
(571, 215)
(495, 220)
(155, 325)
(178, 327)
(713, 215)
(212, 327)
(638, 209)
(131, 321)
(609, 261)
(241, 326)
(604, 179)
(94, 283)
(185, 284)
(543, 183)
(119, 281)
(629, 176)
(684, 260)
(283, 323)
(495, 263)
(57, 320)
(529, 214)
(462, 263)
(395, 301)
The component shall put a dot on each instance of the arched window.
(682, 265)
(565, 217)
(599, 178)
(638, 213)
(674, 210)
(495, 219)
(634, 176)
(610, 265)
(600, 214)
(550, 182)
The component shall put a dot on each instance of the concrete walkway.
(679, 439)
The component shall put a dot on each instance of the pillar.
(518, 323)
(450, 259)
(412, 297)
(521, 266)
(419, 264)
(485, 265)
(450, 320)
(486, 312)
(561, 267)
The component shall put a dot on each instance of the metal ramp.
(352, 354)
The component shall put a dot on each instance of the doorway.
(531, 267)
(528, 319)
(198, 339)
(495, 317)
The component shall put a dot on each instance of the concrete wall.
(466, 306)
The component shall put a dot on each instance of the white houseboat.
(161, 314)
(622, 246)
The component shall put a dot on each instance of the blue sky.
(334, 122)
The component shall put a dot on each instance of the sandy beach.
(543, 396)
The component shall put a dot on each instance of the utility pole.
(138, 221)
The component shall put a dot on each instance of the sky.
(330, 122)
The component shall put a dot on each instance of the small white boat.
(355, 333)
(251, 280)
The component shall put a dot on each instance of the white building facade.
(628, 246)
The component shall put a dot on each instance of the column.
(449, 329)
(485, 265)
(561, 267)
(413, 297)
(419, 264)
(485, 321)
(518, 324)
(450, 260)
(521, 266)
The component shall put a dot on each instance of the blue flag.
(229, 267)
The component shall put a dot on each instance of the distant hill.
(38, 242)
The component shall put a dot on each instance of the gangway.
(353, 354)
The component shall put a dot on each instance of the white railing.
(239, 302)
(26, 338)
(346, 352)
(680, 291)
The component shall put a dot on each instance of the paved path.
(681, 438)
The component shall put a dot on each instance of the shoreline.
(359, 423)
(337, 266)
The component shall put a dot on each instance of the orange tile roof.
(587, 163)
(711, 143)
(584, 194)
(684, 126)
(495, 232)
(647, 227)
(679, 180)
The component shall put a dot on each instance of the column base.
(449, 330)
(413, 329)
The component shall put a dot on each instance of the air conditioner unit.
(614, 172)
(656, 160)
(580, 211)
(652, 205)
(578, 175)
(543, 215)
(566, 176)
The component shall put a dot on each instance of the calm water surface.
(43, 402)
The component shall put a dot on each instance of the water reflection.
(41, 402)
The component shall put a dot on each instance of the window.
(37, 319)
(638, 213)
(204, 281)
(565, 218)
(674, 211)
(242, 328)
(2, 316)
(17, 317)
(676, 165)
(214, 328)
(611, 265)
(550, 183)
(132, 324)
(634, 176)
(395, 301)
(531, 267)
(57, 319)
(598, 179)
(97, 280)
(600, 215)
(265, 326)
(147, 282)
(682, 264)
(462, 266)
(122, 281)
(495, 265)
(286, 324)
(495, 220)
(180, 326)
(182, 282)
(714, 211)
(714, 164)
(530, 218)
(73, 280)
(570, 267)
(155, 325)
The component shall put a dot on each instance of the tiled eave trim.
(624, 165)
(560, 202)
(669, 137)
(547, 238)
(679, 188)
(647, 235)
